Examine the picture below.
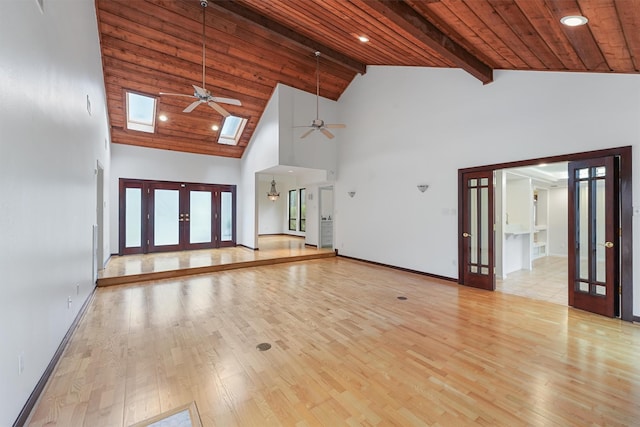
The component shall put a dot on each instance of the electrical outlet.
(69, 302)
(21, 363)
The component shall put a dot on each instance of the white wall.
(49, 149)
(262, 153)
(558, 222)
(316, 151)
(270, 212)
(411, 125)
(148, 163)
(277, 143)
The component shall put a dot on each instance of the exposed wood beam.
(400, 13)
(288, 33)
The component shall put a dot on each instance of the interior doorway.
(531, 249)
(599, 263)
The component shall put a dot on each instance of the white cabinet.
(326, 233)
(522, 211)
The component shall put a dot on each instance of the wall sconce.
(273, 193)
(423, 187)
(351, 194)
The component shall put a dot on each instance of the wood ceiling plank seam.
(608, 33)
(389, 39)
(156, 18)
(550, 31)
(195, 57)
(329, 31)
(492, 19)
(160, 47)
(293, 56)
(490, 40)
(463, 34)
(298, 62)
(629, 14)
(248, 14)
(343, 39)
(580, 38)
(416, 52)
(517, 21)
(410, 20)
(145, 79)
(225, 84)
(296, 72)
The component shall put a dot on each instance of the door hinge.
(148, 218)
(620, 232)
(148, 191)
(147, 242)
(494, 271)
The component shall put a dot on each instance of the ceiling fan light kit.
(317, 123)
(202, 94)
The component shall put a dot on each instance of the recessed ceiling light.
(290, 171)
(163, 118)
(363, 39)
(574, 20)
(215, 128)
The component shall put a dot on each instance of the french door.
(593, 225)
(477, 231)
(158, 216)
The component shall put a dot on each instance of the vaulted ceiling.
(153, 46)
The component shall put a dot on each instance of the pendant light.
(273, 193)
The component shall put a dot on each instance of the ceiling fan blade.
(335, 126)
(326, 133)
(200, 91)
(191, 106)
(229, 101)
(176, 94)
(218, 108)
(307, 133)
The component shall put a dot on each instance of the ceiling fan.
(319, 124)
(201, 94)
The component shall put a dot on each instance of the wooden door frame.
(626, 213)
(145, 185)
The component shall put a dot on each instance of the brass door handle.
(465, 234)
(608, 245)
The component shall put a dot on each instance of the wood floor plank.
(345, 351)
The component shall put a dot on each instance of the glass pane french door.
(593, 222)
(165, 226)
(170, 216)
(227, 213)
(476, 230)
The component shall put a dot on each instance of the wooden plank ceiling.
(155, 46)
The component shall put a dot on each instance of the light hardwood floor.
(345, 351)
(163, 265)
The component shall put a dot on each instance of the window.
(303, 209)
(141, 112)
(231, 130)
(293, 209)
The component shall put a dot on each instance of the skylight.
(231, 130)
(141, 112)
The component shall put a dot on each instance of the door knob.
(465, 234)
(608, 245)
